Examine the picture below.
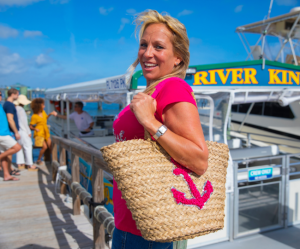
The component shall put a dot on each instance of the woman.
(168, 100)
(38, 123)
(25, 134)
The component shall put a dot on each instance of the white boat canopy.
(108, 90)
(277, 26)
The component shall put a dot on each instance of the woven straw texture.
(144, 174)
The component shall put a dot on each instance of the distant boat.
(271, 117)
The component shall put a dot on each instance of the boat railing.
(265, 140)
(264, 135)
(102, 219)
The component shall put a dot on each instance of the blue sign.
(248, 76)
(239, 74)
(260, 174)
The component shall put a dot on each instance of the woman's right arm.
(33, 128)
(33, 124)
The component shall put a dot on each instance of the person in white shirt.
(25, 133)
(82, 119)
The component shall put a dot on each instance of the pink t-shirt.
(126, 127)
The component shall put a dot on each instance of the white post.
(248, 112)
(293, 52)
(62, 121)
(68, 120)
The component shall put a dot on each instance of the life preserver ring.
(57, 106)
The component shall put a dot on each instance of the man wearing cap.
(8, 146)
(25, 134)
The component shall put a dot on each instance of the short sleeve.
(89, 118)
(72, 115)
(33, 120)
(174, 90)
(8, 108)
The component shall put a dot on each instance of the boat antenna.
(270, 8)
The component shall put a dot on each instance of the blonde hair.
(180, 43)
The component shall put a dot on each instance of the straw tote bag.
(169, 203)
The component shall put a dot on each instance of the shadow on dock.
(35, 216)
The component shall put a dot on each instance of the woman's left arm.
(184, 139)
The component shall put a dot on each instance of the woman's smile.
(148, 66)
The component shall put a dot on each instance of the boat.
(279, 121)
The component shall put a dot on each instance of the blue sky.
(50, 43)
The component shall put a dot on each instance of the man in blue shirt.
(11, 112)
(8, 146)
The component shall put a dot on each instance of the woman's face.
(156, 54)
(43, 106)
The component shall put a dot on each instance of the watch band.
(161, 131)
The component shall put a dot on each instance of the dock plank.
(34, 216)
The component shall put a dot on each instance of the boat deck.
(278, 239)
(33, 216)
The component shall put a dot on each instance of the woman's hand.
(37, 130)
(143, 106)
(54, 113)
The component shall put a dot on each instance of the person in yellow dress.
(38, 124)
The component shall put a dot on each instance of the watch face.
(163, 129)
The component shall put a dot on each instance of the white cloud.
(18, 2)
(121, 41)
(185, 13)
(31, 34)
(194, 40)
(104, 11)
(124, 21)
(11, 63)
(131, 11)
(7, 32)
(43, 60)
(238, 8)
(287, 2)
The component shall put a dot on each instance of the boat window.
(273, 109)
(257, 108)
(235, 108)
(243, 108)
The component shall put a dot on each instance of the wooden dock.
(33, 216)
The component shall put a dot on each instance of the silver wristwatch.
(161, 131)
